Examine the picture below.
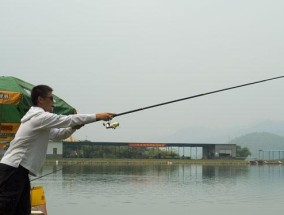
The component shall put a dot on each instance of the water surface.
(163, 189)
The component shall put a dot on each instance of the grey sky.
(109, 55)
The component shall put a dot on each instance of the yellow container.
(37, 196)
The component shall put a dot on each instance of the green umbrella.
(15, 102)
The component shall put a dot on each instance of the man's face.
(46, 102)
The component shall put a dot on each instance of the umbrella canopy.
(15, 101)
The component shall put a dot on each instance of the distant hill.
(223, 135)
(261, 141)
(263, 135)
(269, 126)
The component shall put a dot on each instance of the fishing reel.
(113, 125)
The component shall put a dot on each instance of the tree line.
(118, 152)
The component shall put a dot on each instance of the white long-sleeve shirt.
(29, 146)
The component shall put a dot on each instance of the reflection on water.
(163, 189)
(223, 171)
(180, 171)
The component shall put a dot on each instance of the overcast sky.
(110, 55)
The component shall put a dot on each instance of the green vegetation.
(243, 152)
(89, 151)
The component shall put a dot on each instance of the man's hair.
(40, 90)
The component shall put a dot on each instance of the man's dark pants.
(14, 190)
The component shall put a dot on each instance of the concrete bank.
(143, 161)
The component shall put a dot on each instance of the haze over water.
(163, 189)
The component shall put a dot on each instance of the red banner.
(147, 145)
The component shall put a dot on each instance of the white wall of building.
(55, 148)
(229, 149)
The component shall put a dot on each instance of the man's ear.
(39, 100)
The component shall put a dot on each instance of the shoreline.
(95, 161)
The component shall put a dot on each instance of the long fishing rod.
(195, 96)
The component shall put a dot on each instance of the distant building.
(207, 150)
(226, 150)
(55, 149)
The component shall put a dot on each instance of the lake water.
(163, 189)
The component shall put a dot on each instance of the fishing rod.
(195, 96)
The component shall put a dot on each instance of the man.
(27, 151)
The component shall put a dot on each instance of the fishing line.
(46, 174)
(195, 96)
